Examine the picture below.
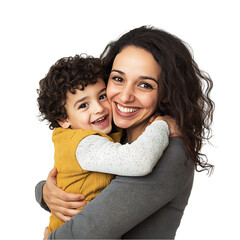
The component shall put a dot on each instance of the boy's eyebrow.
(79, 100)
(102, 90)
(141, 77)
(84, 98)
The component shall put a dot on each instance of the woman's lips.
(125, 111)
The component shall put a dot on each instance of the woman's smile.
(127, 110)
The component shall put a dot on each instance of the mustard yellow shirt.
(71, 177)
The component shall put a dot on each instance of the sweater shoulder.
(175, 157)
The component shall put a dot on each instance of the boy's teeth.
(127, 110)
(100, 119)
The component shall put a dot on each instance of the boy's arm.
(99, 154)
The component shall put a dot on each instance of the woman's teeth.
(126, 110)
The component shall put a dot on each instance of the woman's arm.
(39, 195)
(99, 154)
(128, 201)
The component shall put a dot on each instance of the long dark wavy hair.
(184, 90)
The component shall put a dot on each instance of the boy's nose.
(98, 108)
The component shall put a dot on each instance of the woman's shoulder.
(176, 145)
(176, 155)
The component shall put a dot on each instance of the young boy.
(72, 97)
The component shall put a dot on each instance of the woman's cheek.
(149, 101)
(111, 91)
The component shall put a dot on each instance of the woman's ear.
(64, 124)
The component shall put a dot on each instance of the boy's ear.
(64, 124)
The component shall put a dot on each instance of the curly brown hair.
(67, 74)
(184, 90)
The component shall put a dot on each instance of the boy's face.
(89, 109)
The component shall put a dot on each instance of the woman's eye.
(103, 96)
(83, 105)
(117, 79)
(146, 85)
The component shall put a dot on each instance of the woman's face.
(133, 88)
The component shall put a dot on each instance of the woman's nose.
(127, 95)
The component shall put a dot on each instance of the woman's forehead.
(136, 60)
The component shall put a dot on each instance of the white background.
(34, 34)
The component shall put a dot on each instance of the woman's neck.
(134, 132)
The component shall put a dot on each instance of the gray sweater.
(149, 207)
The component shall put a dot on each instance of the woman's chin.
(121, 123)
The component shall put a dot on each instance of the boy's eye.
(83, 105)
(103, 96)
(146, 85)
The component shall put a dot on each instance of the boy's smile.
(89, 109)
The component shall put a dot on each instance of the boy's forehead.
(98, 82)
(88, 90)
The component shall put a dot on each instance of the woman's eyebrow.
(118, 71)
(150, 78)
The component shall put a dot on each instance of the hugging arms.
(137, 206)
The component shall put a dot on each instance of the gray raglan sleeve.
(39, 195)
(127, 201)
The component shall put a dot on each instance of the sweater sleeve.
(99, 154)
(39, 195)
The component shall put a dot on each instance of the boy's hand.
(62, 204)
(153, 118)
(46, 233)
(173, 127)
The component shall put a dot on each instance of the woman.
(150, 71)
